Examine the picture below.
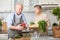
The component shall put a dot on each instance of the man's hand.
(19, 27)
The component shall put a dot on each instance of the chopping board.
(23, 38)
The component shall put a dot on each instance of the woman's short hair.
(38, 6)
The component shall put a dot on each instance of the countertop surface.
(5, 37)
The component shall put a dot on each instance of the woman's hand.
(33, 26)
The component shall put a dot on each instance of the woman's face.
(37, 10)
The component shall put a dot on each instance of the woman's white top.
(41, 17)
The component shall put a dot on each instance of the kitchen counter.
(45, 38)
(5, 37)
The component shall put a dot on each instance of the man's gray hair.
(18, 4)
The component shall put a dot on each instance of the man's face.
(37, 11)
(19, 9)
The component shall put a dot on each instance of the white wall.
(6, 5)
(29, 16)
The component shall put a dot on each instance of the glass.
(36, 35)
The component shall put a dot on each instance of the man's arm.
(9, 23)
(16, 28)
(13, 27)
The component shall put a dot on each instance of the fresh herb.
(42, 25)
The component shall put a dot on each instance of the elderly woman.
(39, 16)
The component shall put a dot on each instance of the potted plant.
(0, 24)
(56, 12)
(56, 30)
(56, 27)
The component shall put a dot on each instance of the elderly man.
(14, 22)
